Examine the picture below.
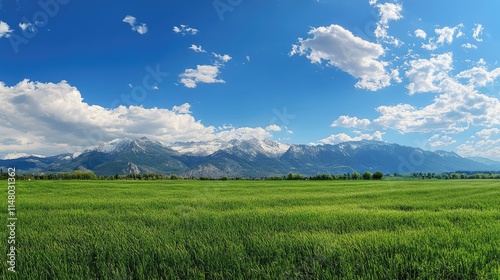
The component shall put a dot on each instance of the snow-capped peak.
(113, 146)
(20, 155)
(251, 147)
(273, 147)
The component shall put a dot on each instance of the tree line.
(89, 175)
(347, 176)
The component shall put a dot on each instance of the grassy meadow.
(421, 229)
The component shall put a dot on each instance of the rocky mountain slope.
(249, 158)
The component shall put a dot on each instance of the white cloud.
(479, 76)
(185, 29)
(487, 146)
(458, 108)
(156, 88)
(477, 32)
(387, 12)
(395, 76)
(430, 46)
(141, 28)
(130, 20)
(445, 34)
(425, 74)
(49, 118)
(469, 46)
(342, 137)
(223, 58)
(441, 140)
(340, 48)
(197, 49)
(419, 33)
(248, 58)
(487, 133)
(346, 121)
(273, 127)
(4, 30)
(183, 109)
(243, 133)
(202, 74)
(27, 26)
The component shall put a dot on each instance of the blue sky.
(418, 73)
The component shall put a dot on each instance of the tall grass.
(257, 230)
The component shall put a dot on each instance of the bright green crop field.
(434, 229)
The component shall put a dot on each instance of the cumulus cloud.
(185, 29)
(425, 74)
(488, 133)
(487, 146)
(438, 140)
(458, 108)
(387, 12)
(342, 137)
(445, 35)
(139, 28)
(202, 74)
(52, 118)
(479, 76)
(223, 58)
(477, 32)
(197, 49)
(27, 26)
(273, 127)
(183, 109)
(346, 121)
(340, 48)
(469, 46)
(243, 133)
(419, 33)
(4, 30)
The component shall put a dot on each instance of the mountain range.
(251, 158)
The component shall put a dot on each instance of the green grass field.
(443, 229)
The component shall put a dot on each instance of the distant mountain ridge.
(249, 158)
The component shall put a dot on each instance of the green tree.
(355, 175)
(367, 175)
(77, 174)
(378, 175)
